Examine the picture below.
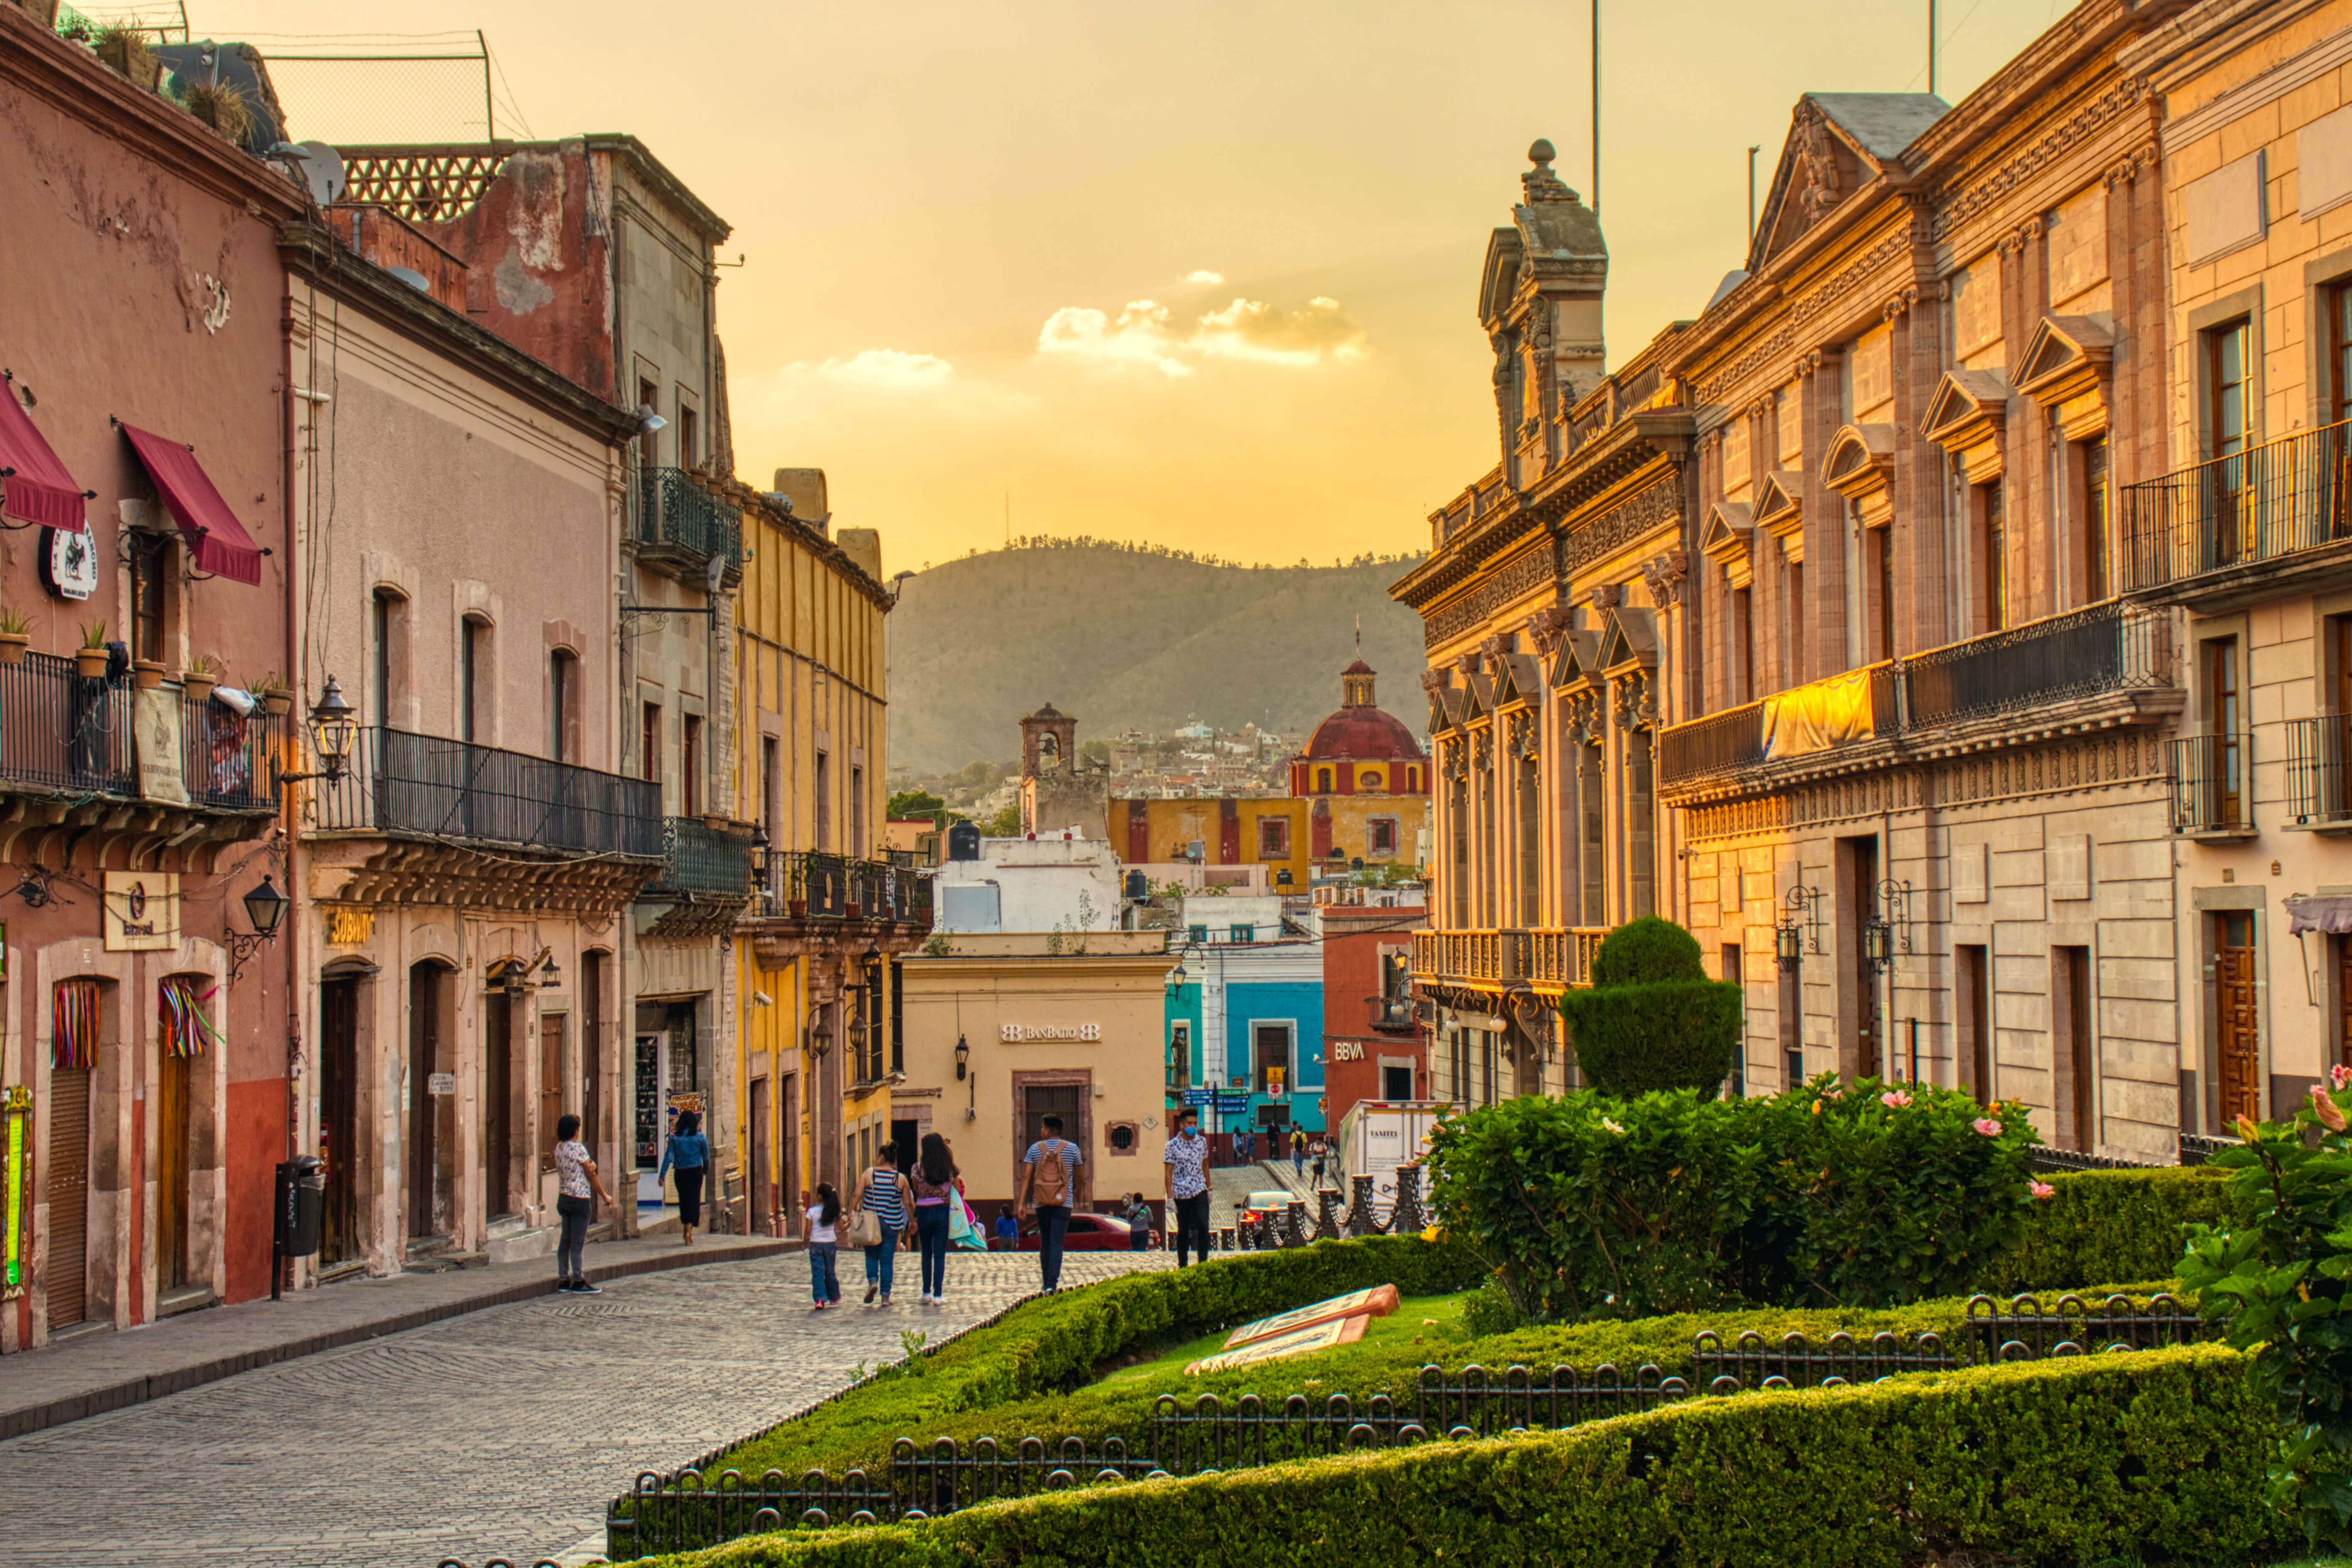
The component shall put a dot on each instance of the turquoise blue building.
(1245, 1030)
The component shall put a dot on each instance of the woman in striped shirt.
(883, 1190)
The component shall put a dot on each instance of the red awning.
(34, 486)
(220, 542)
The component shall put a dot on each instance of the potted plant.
(203, 674)
(15, 636)
(125, 48)
(277, 700)
(147, 673)
(90, 660)
(220, 105)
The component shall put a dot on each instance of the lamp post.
(266, 908)
(334, 730)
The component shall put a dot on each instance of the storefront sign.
(1015, 1033)
(441, 1083)
(156, 720)
(1347, 1050)
(142, 911)
(348, 927)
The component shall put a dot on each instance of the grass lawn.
(1428, 1319)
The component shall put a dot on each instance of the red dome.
(1361, 735)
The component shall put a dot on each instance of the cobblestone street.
(501, 1433)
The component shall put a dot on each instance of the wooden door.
(1039, 1101)
(551, 1030)
(68, 1198)
(2343, 999)
(788, 1149)
(339, 1126)
(763, 1207)
(172, 1073)
(2237, 1021)
(498, 1104)
(425, 1027)
(1869, 1016)
(592, 1064)
(1975, 1001)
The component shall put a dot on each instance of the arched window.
(1322, 781)
(1413, 781)
(388, 683)
(563, 705)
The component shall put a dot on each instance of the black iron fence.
(1211, 1433)
(819, 884)
(2213, 784)
(703, 860)
(2319, 768)
(2108, 646)
(74, 733)
(405, 783)
(2252, 506)
(671, 510)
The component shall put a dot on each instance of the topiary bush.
(1652, 1019)
(1857, 1194)
(2103, 1225)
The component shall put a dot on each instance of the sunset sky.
(1202, 274)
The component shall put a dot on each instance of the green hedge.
(1059, 1341)
(2110, 1225)
(2153, 1457)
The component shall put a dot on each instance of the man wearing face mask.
(1187, 1187)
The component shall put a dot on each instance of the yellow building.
(816, 955)
(1229, 830)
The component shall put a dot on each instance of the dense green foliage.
(2146, 1457)
(1866, 1194)
(1648, 949)
(2109, 1225)
(1652, 1019)
(1057, 1343)
(2274, 1275)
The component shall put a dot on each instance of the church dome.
(1359, 731)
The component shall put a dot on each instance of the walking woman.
(689, 1152)
(882, 1192)
(818, 1229)
(575, 1178)
(935, 1189)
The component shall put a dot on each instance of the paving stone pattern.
(501, 1433)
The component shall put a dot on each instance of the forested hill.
(1130, 638)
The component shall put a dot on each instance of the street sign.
(1199, 1096)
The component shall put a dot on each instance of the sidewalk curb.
(156, 1385)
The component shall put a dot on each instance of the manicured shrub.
(1861, 1195)
(1644, 950)
(2146, 1457)
(2104, 1226)
(1652, 1019)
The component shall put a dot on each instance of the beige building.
(1045, 1026)
(2246, 535)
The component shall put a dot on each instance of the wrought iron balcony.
(428, 786)
(702, 862)
(2213, 784)
(679, 523)
(2264, 504)
(2319, 770)
(62, 730)
(2107, 647)
(816, 885)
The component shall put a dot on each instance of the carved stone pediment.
(1629, 642)
(1968, 418)
(1780, 510)
(1578, 664)
(2066, 369)
(1860, 466)
(1726, 539)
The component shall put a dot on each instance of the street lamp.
(963, 1058)
(1175, 979)
(1788, 944)
(1878, 944)
(334, 728)
(265, 907)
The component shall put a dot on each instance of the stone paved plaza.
(501, 1433)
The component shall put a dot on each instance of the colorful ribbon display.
(179, 1006)
(73, 1027)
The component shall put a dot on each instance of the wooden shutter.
(68, 1195)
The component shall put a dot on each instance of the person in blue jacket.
(688, 1152)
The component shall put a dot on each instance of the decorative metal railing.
(2319, 769)
(2108, 646)
(63, 731)
(700, 860)
(1500, 956)
(669, 509)
(2213, 784)
(431, 788)
(229, 758)
(1209, 1434)
(2260, 504)
(817, 884)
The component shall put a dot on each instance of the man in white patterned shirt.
(1187, 1187)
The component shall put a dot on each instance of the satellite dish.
(412, 278)
(713, 573)
(322, 171)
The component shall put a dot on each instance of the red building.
(145, 1039)
(1374, 1047)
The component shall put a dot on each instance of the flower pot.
(199, 688)
(716, 823)
(147, 673)
(89, 663)
(134, 58)
(851, 911)
(13, 646)
(798, 905)
(277, 704)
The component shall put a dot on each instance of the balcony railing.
(815, 884)
(2213, 784)
(2256, 505)
(1563, 957)
(62, 730)
(2319, 769)
(700, 860)
(2108, 647)
(1504, 957)
(432, 787)
(670, 510)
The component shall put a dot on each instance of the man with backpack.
(1049, 1177)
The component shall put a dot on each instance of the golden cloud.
(1144, 334)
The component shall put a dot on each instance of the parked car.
(1272, 1206)
(1088, 1233)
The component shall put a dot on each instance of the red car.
(1088, 1233)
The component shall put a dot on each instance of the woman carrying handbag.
(881, 1204)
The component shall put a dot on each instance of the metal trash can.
(302, 1202)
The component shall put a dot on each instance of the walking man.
(1188, 1187)
(1049, 1176)
(575, 1178)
